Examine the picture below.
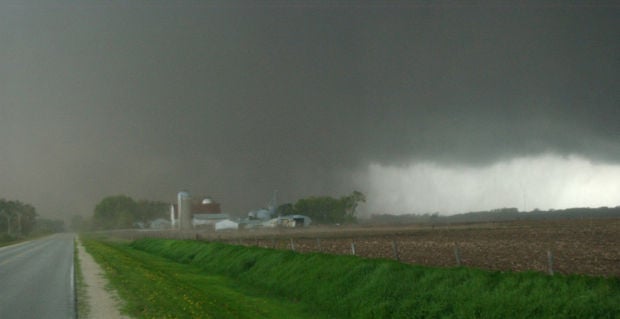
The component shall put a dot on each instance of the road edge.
(98, 302)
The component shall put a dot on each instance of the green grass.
(352, 287)
(188, 279)
(82, 306)
(7, 240)
(155, 287)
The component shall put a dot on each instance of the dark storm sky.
(236, 99)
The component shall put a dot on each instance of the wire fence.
(558, 248)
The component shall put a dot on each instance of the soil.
(565, 247)
(576, 246)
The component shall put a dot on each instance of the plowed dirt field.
(589, 247)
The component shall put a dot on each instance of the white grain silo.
(185, 210)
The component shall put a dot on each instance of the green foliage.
(321, 209)
(6, 239)
(155, 287)
(285, 209)
(147, 211)
(115, 212)
(118, 212)
(325, 209)
(352, 287)
(82, 307)
(16, 218)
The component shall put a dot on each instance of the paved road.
(36, 279)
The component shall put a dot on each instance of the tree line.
(21, 220)
(16, 219)
(326, 209)
(497, 215)
(121, 211)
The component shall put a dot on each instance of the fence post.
(550, 262)
(457, 254)
(273, 243)
(292, 245)
(395, 250)
(318, 243)
(353, 247)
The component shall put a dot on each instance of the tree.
(285, 209)
(325, 209)
(322, 209)
(351, 203)
(115, 212)
(148, 211)
(16, 218)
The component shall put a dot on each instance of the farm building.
(202, 220)
(288, 221)
(160, 223)
(201, 213)
(226, 224)
(294, 221)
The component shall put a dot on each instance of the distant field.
(589, 247)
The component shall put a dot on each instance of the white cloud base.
(543, 182)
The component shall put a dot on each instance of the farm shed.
(226, 225)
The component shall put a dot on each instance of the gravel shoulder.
(101, 302)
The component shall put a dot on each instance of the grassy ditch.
(351, 287)
(155, 287)
(189, 279)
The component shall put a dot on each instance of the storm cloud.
(236, 99)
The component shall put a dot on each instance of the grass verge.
(82, 308)
(8, 240)
(351, 287)
(161, 278)
(155, 287)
